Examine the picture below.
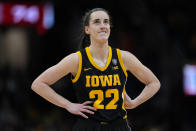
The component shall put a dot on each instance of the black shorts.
(91, 125)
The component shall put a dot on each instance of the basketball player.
(99, 78)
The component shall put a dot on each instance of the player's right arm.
(41, 85)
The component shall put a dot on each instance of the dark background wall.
(160, 33)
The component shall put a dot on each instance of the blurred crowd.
(160, 33)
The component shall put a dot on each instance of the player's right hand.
(79, 109)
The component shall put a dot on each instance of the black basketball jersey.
(104, 86)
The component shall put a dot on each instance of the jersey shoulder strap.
(79, 67)
(118, 51)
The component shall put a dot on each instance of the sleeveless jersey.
(104, 86)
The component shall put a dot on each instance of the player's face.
(99, 26)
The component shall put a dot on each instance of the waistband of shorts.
(116, 122)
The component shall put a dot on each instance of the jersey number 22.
(100, 97)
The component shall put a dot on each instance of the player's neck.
(99, 51)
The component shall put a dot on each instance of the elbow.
(158, 85)
(38, 85)
(33, 86)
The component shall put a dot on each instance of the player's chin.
(103, 39)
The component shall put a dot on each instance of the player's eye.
(96, 21)
(106, 21)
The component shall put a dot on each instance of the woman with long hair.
(99, 77)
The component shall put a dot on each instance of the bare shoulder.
(72, 58)
(139, 70)
(127, 56)
(70, 62)
(130, 60)
(67, 65)
(125, 53)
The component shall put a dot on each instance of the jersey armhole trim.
(121, 62)
(79, 67)
(123, 104)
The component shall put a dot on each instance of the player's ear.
(86, 28)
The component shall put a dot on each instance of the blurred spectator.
(16, 48)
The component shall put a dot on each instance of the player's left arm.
(143, 74)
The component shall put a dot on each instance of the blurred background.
(35, 35)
